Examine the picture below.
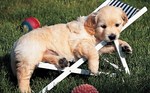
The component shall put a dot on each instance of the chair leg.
(122, 57)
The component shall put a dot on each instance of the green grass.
(12, 13)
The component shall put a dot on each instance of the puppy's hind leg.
(24, 72)
(53, 58)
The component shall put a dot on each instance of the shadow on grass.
(7, 66)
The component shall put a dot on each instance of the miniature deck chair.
(132, 13)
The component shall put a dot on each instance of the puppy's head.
(107, 23)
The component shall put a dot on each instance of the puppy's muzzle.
(112, 37)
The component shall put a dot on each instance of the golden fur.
(61, 43)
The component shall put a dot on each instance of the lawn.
(49, 12)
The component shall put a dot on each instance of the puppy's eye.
(117, 25)
(103, 26)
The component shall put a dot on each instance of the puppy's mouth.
(111, 37)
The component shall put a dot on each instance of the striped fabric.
(129, 10)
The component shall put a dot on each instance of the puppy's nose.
(112, 37)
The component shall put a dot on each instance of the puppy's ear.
(90, 24)
(124, 17)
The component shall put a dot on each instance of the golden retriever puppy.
(58, 44)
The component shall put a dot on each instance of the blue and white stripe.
(129, 10)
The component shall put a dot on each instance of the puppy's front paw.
(126, 48)
(63, 63)
(94, 72)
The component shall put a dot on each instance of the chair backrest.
(129, 10)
